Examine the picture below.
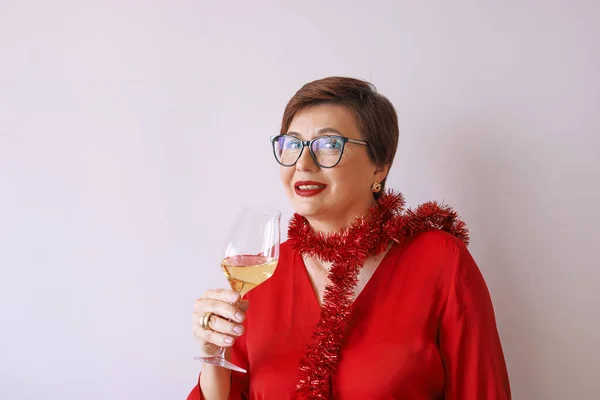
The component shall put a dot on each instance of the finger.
(243, 305)
(224, 310)
(224, 326)
(210, 336)
(217, 324)
(225, 295)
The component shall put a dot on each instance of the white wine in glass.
(246, 272)
(250, 258)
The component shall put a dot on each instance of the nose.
(306, 162)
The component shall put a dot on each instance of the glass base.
(220, 362)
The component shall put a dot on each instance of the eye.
(291, 143)
(328, 143)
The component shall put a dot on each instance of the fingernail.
(235, 298)
(228, 340)
(238, 329)
(239, 316)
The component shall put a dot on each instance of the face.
(330, 197)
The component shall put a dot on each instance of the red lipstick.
(310, 188)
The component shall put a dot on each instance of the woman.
(369, 300)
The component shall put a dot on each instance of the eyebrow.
(319, 132)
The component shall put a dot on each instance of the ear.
(381, 173)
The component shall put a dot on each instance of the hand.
(225, 323)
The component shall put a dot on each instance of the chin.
(306, 209)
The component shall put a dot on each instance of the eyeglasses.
(326, 151)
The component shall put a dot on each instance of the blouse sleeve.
(469, 342)
(239, 381)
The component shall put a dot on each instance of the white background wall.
(132, 132)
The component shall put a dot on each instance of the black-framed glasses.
(326, 151)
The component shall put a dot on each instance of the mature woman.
(369, 300)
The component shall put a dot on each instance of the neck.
(337, 223)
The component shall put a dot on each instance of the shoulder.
(436, 242)
(282, 274)
(286, 246)
(433, 254)
(286, 252)
(446, 256)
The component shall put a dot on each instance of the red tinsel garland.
(348, 250)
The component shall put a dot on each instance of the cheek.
(343, 182)
(353, 178)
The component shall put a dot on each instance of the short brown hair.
(375, 115)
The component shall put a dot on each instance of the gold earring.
(376, 188)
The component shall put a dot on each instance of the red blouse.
(423, 328)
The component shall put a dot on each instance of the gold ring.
(205, 320)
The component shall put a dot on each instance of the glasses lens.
(287, 149)
(328, 150)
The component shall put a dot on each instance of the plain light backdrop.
(132, 132)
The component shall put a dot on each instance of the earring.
(376, 188)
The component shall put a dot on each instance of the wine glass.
(249, 258)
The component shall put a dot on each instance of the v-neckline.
(314, 295)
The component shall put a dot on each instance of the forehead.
(308, 121)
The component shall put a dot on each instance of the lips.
(308, 188)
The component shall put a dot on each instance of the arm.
(219, 383)
(216, 383)
(469, 342)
